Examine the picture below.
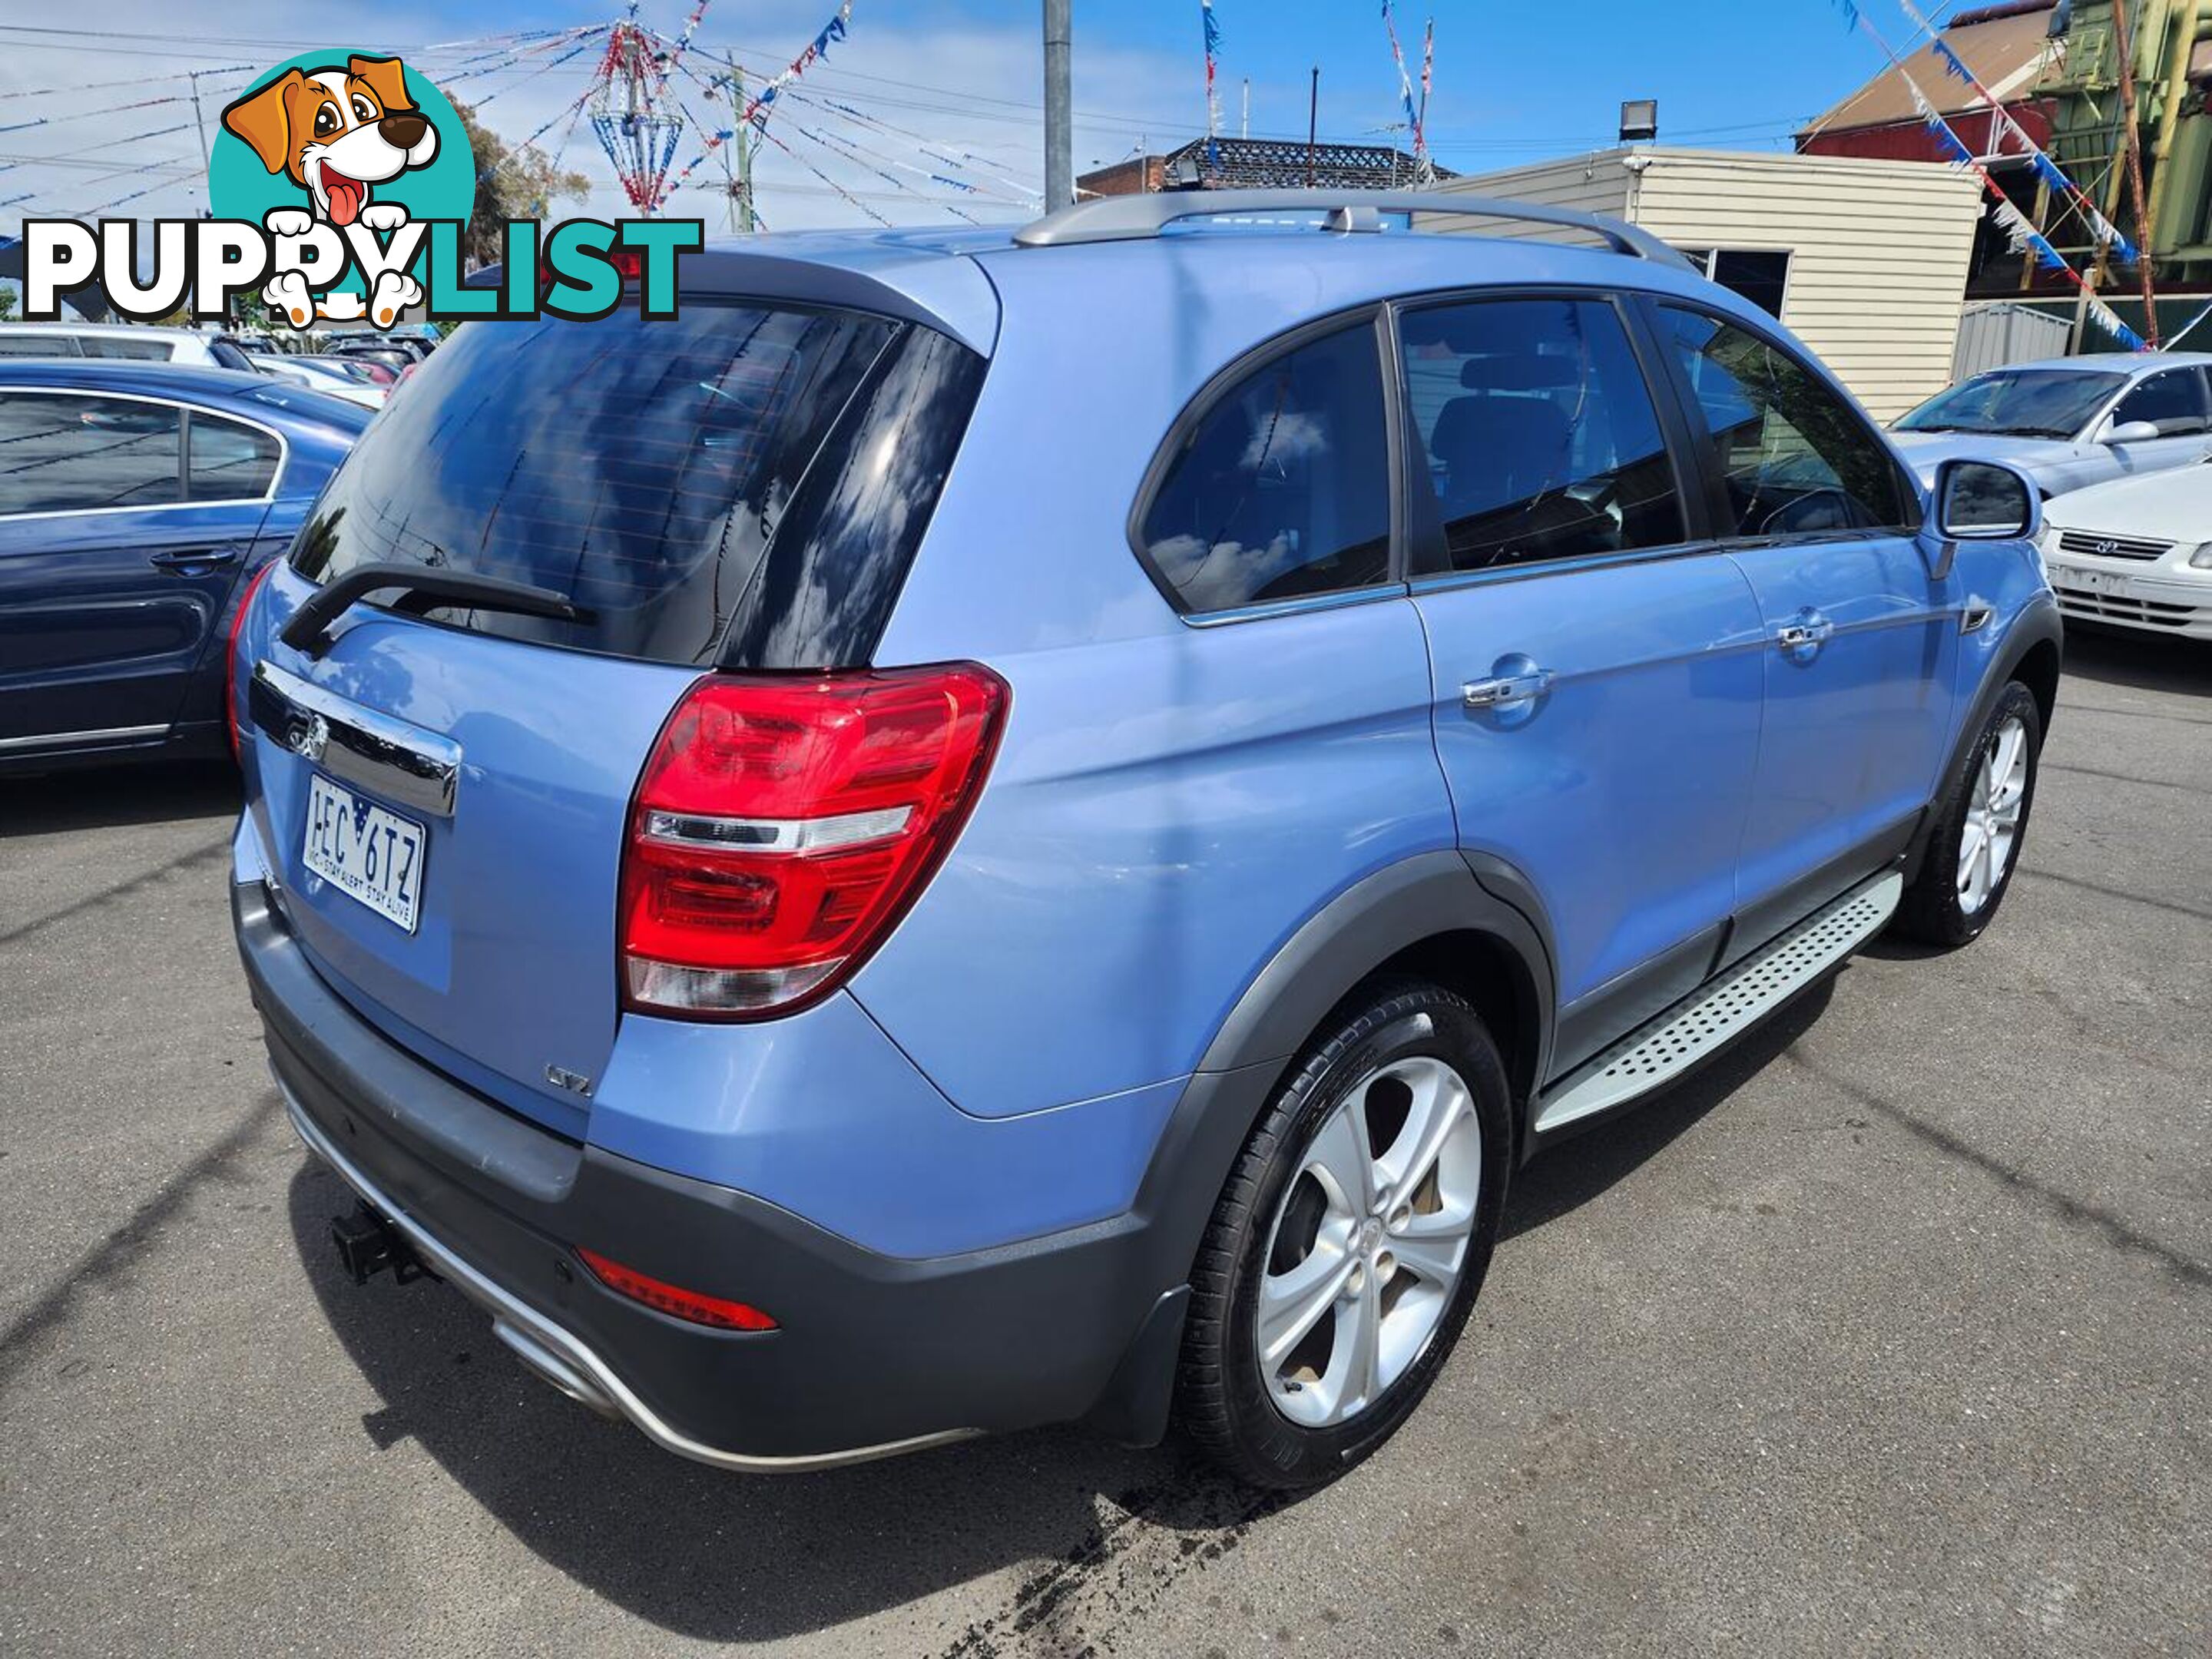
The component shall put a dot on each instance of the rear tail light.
(673, 1299)
(783, 825)
(233, 718)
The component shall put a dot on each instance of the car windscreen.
(649, 470)
(2016, 404)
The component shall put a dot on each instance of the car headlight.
(2201, 558)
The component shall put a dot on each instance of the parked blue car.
(139, 502)
(989, 829)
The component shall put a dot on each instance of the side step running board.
(1658, 1052)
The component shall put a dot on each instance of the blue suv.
(985, 829)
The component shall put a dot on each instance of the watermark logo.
(324, 143)
(340, 189)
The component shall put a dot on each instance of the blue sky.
(1515, 83)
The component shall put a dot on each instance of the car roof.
(956, 280)
(132, 331)
(2106, 362)
(259, 397)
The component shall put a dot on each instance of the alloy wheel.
(1993, 811)
(1369, 1242)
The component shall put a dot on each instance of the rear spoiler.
(939, 291)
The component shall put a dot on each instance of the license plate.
(370, 853)
(2087, 582)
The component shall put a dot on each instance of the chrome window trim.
(184, 436)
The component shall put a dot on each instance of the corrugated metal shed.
(1877, 250)
(1992, 336)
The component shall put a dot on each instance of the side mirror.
(1982, 501)
(2132, 432)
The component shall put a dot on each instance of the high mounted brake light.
(783, 825)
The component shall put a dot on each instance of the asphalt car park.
(1885, 1331)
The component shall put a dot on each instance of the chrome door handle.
(1507, 690)
(1809, 632)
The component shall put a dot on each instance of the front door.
(1861, 640)
(1597, 671)
(2177, 402)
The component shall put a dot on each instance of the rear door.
(1860, 639)
(1597, 664)
(445, 796)
(116, 565)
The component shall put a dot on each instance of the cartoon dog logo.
(337, 133)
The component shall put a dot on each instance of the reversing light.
(673, 1299)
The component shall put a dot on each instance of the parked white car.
(306, 371)
(2137, 551)
(140, 343)
(2070, 422)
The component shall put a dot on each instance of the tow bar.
(367, 1244)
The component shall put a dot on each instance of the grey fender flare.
(1346, 939)
(2038, 624)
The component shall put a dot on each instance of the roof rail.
(1135, 218)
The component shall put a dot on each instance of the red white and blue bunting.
(757, 112)
(2018, 230)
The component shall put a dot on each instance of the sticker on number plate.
(368, 852)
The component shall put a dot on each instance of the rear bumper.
(873, 1355)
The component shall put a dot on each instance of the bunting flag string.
(2174, 339)
(1405, 81)
(132, 81)
(2025, 236)
(1213, 30)
(850, 199)
(1428, 75)
(966, 161)
(2003, 120)
(758, 111)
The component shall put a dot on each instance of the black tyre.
(1350, 1241)
(1977, 842)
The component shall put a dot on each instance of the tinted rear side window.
(1281, 490)
(1539, 433)
(644, 469)
(228, 460)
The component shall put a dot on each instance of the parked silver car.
(2070, 422)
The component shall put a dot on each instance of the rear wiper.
(426, 588)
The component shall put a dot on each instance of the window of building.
(1760, 275)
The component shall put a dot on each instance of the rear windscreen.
(642, 469)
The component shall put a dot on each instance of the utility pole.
(2123, 39)
(742, 200)
(199, 120)
(1313, 124)
(1059, 124)
(1244, 129)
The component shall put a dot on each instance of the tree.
(510, 184)
(7, 302)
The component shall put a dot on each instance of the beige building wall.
(1878, 249)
